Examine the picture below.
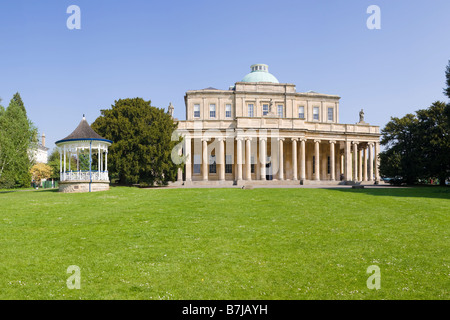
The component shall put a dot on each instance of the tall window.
(196, 111)
(212, 110)
(250, 110)
(252, 164)
(330, 114)
(228, 164)
(265, 109)
(280, 110)
(301, 112)
(228, 111)
(316, 113)
(212, 164)
(197, 163)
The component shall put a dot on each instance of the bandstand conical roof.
(83, 132)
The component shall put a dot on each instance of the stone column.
(221, 159)
(317, 162)
(302, 159)
(239, 157)
(365, 164)
(294, 159)
(281, 164)
(179, 171)
(187, 153)
(248, 158)
(355, 161)
(332, 160)
(347, 161)
(205, 159)
(360, 169)
(377, 172)
(262, 157)
(371, 161)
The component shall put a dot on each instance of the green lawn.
(226, 243)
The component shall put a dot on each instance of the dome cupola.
(260, 73)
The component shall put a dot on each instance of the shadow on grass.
(410, 191)
(28, 190)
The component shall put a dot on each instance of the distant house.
(40, 155)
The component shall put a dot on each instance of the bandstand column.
(316, 160)
(60, 163)
(332, 160)
(64, 172)
(294, 159)
(78, 161)
(262, 157)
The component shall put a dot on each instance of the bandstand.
(83, 160)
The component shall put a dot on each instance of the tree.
(401, 159)
(41, 171)
(418, 146)
(17, 100)
(2, 109)
(434, 130)
(447, 77)
(447, 93)
(142, 145)
(18, 137)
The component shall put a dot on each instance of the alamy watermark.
(374, 20)
(374, 281)
(74, 281)
(74, 20)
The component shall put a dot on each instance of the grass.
(226, 243)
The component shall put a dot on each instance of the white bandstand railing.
(84, 176)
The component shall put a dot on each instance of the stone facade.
(267, 131)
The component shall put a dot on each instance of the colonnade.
(346, 159)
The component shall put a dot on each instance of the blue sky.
(158, 50)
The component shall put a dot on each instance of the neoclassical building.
(264, 131)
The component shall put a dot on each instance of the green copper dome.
(260, 73)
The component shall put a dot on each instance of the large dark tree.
(434, 130)
(142, 145)
(401, 159)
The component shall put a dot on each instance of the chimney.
(43, 139)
